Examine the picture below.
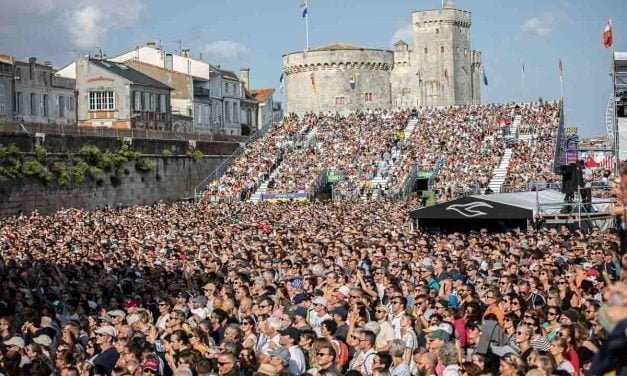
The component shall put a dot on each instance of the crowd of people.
(460, 145)
(532, 160)
(300, 288)
(357, 147)
(258, 160)
(235, 288)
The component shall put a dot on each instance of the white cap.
(107, 330)
(201, 312)
(320, 300)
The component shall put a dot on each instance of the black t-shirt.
(107, 359)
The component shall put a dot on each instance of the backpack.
(342, 357)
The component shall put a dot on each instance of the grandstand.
(463, 150)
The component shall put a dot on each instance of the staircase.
(382, 181)
(500, 173)
(263, 187)
(513, 128)
(304, 132)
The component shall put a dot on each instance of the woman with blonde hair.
(511, 365)
(558, 350)
(542, 364)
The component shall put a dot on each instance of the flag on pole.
(485, 78)
(312, 76)
(561, 68)
(304, 6)
(608, 162)
(523, 70)
(281, 83)
(608, 37)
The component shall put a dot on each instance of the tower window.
(442, 49)
(437, 31)
(426, 50)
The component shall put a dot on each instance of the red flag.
(608, 38)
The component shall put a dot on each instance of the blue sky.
(250, 33)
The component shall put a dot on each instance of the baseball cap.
(291, 332)
(131, 319)
(132, 303)
(299, 298)
(117, 313)
(201, 312)
(105, 318)
(301, 311)
(340, 311)
(439, 334)
(200, 299)
(320, 300)
(43, 339)
(107, 330)
(297, 283)
(373, 326)
(15, 341)
(281, 353)
(151, 364)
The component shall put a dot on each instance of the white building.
(213, 94)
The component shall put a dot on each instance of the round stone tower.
(337, 78)
(443, 57)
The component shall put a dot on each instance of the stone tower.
(444, 70)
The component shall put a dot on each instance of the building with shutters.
(115, 95)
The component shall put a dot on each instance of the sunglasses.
(224, 363)
(322, 354)
(150, 371)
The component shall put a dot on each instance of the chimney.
(151, 44)
(47, 63)
(244, 76)
(169, 62)
(185, 52)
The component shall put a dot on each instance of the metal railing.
(72, 130)
(221, 169)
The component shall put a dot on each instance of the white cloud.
(405, 33)
(539, 26)
(51, 29)
(91, 20)
(225, 49)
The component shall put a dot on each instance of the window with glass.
(163, 104)
(44, 104)
(101, 101)
(33, 104)
(3, 109)
(138, 101)
(61, 106)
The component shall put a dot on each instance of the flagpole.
(307, 23)
(524, 83)
(614, 122)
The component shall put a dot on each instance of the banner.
(424, 174)
(301, 196)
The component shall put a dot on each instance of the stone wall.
(173, 179)
(72, 144)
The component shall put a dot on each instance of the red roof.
(262, 95)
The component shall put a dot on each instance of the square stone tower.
(444, 67)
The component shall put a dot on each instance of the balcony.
(202, 93)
